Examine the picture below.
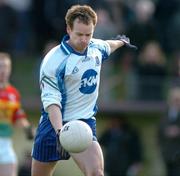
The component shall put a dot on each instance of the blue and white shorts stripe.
(44, 148)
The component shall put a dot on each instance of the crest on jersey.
(97, 61)
(75, 70)
(88, 82)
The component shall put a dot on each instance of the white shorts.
(7, 153)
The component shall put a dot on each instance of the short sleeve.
(102, 46)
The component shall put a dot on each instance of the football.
(76, 136)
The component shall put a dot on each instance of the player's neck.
(76, 48)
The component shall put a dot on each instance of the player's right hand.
(63, 153)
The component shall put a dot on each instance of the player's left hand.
(64, 154)
(126, 41)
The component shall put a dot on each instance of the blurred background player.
(122, 147)
(169, 133)
(11, 114)
(151, 72)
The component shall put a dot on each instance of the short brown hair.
(83, 12)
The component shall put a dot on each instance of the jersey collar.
(68, 49)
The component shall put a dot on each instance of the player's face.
(5, 70)
(80, 35)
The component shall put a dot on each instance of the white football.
(76, 136)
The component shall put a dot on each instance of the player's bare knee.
(99, 172)
(95, 172)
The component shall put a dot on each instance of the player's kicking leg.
(91, 161)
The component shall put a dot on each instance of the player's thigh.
(8, 169)
(42, 168)
(91, 159)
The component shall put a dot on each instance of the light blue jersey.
(71, 80)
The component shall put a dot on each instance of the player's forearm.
(55, 116)
(114, 44)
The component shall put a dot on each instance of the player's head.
(81, 21)
(84, 13)
(5, 67)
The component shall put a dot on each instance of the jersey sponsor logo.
(88, 82)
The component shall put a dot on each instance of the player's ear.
(68, 29)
